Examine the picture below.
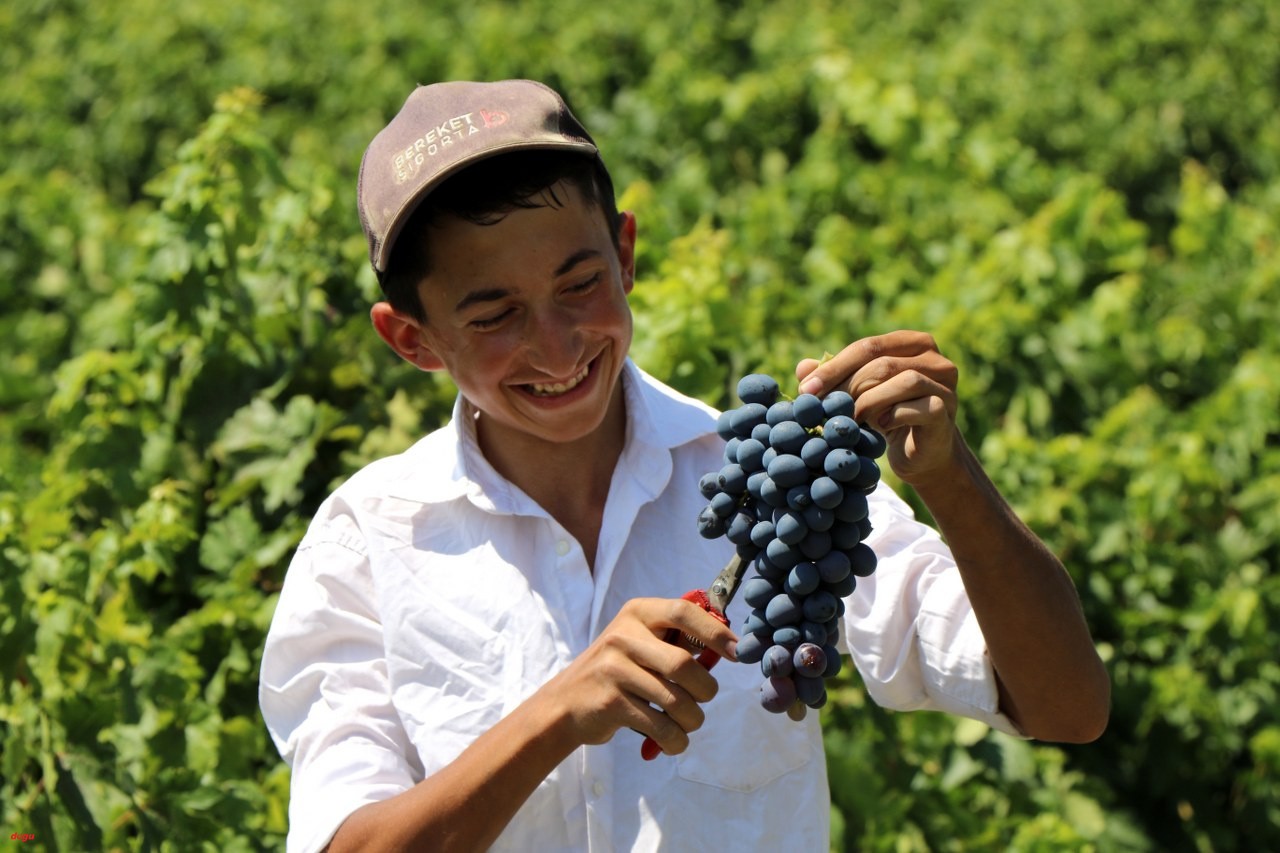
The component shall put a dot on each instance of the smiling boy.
(469, 630)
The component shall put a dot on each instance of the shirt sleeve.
(910, 628)
(324, 690)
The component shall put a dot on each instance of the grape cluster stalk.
(792, 496)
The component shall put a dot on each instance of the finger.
(805, 367)
(674, 668)
(877, 403)
(925, 411)
(661, 728)
(834, 372)
(692, 621)
(671, 693)
(934, 367)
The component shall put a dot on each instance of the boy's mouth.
(558, 388)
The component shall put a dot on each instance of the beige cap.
(445, 127)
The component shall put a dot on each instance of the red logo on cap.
(494, 118)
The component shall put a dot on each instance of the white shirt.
(430, 597)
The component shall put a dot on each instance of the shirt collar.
(447, 464)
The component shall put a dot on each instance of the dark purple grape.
(779, 412)
(783, 609)
(751, 647)
(841, 431)
(827, 493)
(782, 555)
(758, 388)
(852, 507)
(841, 588)
(862, 560)
(834, 661)
(788, 636)
(810, 691)
(732, 479)
(837, 403)
(749, 455)
(868, 474)
(788, 470)
(788, 437)
(809, 660)
(731, 450)
(802, 580)
(833, 566)
(710, 525)
(841, 465)
(745, 418)
(738, 530)
(766, 569)
(758, 592)
(844, 535)
(777, 661)
(812, 632)
(807, 410)
(724, 424)
(818, 519)
(723, 504)
(762, 533)
(708, 485)
(814, 451)
(871, 443)
(790, 528)
(755, 622)
(820, 606)
(777, 694)
(798, 498)
(816, 543)
(772, 494)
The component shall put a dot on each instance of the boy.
(471, 632)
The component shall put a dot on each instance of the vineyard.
(1080, 201)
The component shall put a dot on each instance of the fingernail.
(812, 385)
(732, 648)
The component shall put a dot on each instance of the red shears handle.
(650, 750)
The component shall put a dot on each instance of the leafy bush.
(1078, 202)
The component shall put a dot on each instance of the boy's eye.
(483, 323)
(586, 285)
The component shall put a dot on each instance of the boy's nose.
(555, 343)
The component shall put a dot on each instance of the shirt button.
(597, 787)
(562, 547)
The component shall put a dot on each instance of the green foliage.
(1079, 202)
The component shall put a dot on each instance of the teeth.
(559, 387)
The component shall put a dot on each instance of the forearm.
(467, 804)
(1052, 682)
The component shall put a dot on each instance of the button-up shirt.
(430, 597)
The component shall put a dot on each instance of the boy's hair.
(483, 194)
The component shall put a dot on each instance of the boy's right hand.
(630, 678)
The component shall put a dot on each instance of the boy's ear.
(404, 335)
(627, 248)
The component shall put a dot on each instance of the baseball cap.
(444, 127)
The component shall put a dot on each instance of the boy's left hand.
(903, 387)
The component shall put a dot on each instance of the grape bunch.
(792, 496)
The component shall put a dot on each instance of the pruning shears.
(715, 600)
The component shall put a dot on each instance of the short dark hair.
(484, 193)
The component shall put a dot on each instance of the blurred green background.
(1080, 200)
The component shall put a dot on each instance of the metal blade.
(726, 584)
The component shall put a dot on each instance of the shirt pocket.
(742, 747)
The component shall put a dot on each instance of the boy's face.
(529, 316)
